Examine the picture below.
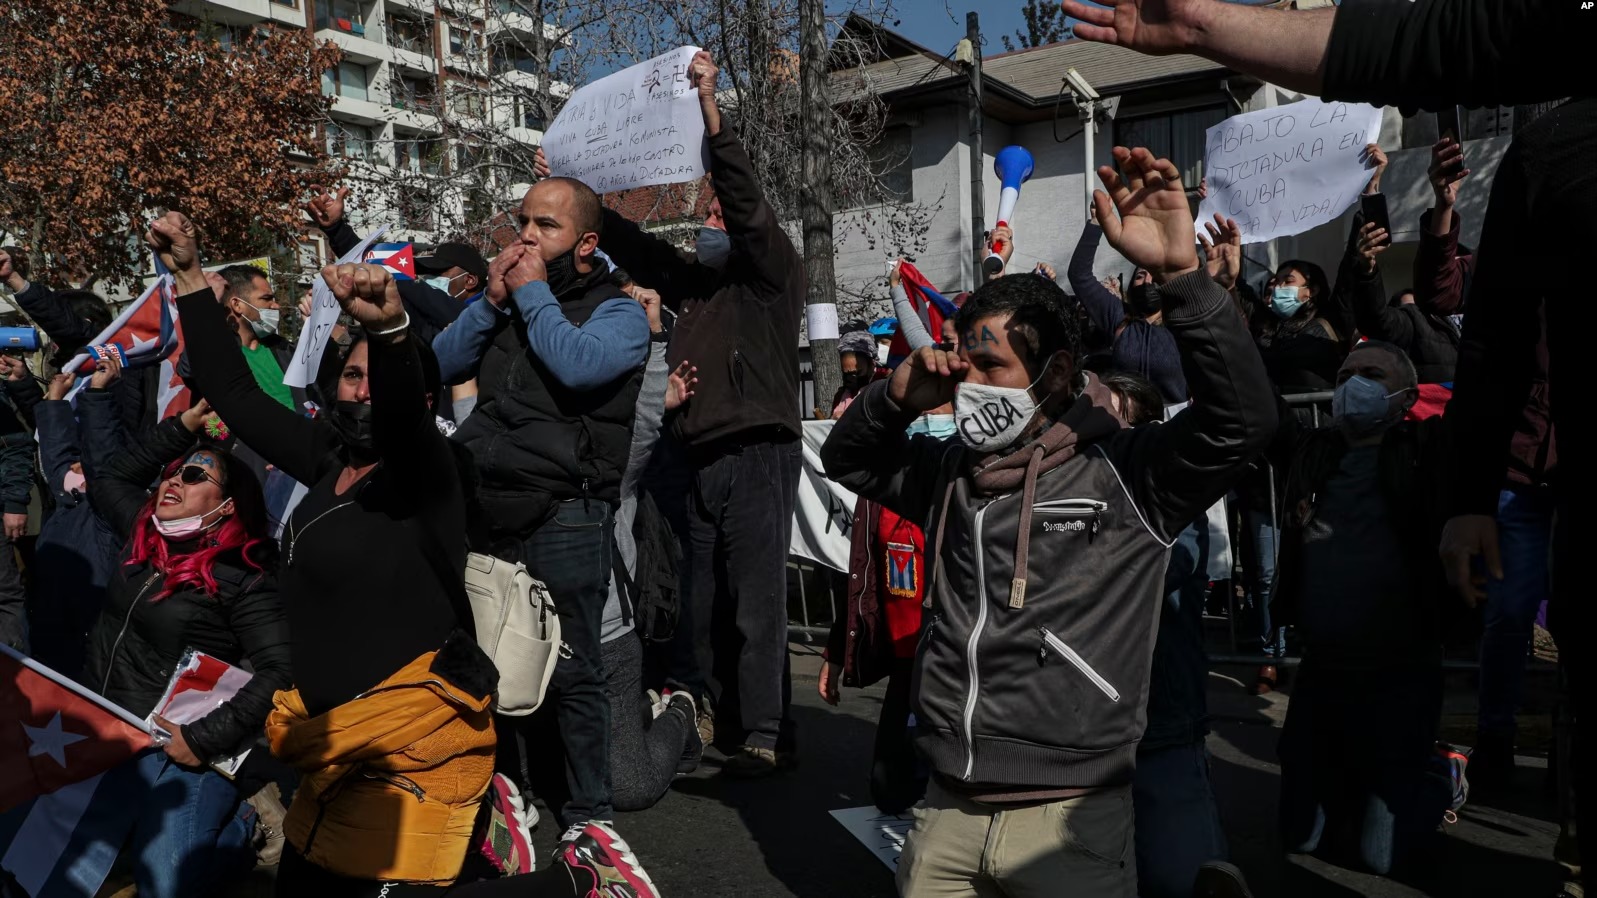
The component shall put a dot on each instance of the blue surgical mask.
(714, 247)
(1363, 408)
(937, 427)
(1285, 302)
(439, 282)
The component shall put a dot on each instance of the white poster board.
(883, 834)
(318, 329)
(639, 127)
(1283, 170)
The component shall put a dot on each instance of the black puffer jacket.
(137, 641)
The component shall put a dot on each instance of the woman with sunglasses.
(390, 722)
(197, 573)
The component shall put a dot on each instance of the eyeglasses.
(192, 474)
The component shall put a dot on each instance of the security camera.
(1079, 86)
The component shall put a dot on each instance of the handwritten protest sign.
(639, 127)
(318, 329)
(1283, 170)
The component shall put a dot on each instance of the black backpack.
(653, 596)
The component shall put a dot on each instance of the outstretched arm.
(1420, 54)
(1103, 308)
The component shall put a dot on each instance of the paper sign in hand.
(639, 127)
(1283, 170)
(318, 329)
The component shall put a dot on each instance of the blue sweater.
(1137, 347)
(610, 343)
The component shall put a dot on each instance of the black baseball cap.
(454, 255)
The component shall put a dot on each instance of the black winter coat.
(138, 640)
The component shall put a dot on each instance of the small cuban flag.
(399, 258)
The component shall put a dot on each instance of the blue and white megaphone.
(1013, 165)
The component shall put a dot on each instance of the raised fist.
(174, 238)
(368, 294)
(326, 208)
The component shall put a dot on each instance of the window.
(528, 116)
(416, 211)
(459, 40)
(415, 35)
(467, 156)
(351, 141)
(1177, 136)
(466, 102)
(412, 93)
(352, 81)
(890, 160)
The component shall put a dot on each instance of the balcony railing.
(353, 27)
(410, 42)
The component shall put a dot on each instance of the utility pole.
(978, 207)
(815, 204)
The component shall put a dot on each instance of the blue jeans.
(192, 833)
(1178, 707)
(571, 554)
(1356, 752)
(1524, 533)
(1178, 823)
(1262, 537)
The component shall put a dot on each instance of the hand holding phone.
(1374, 207)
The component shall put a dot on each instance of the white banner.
(318, 329)
(823, 517)
(1283, 170)
(639, 127)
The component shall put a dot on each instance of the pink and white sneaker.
(508, 843)
(602, 866)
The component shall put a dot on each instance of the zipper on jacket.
(1075, 508)
(970, 645)
(110, 663)
(1050, 641)
(403, 782)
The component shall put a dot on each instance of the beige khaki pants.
(1076, 848)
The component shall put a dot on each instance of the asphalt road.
(712, 837)
(715, 837)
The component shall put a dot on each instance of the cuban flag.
(68, 802)
(398, 258)
(932, 307)
(902, 579)
(145, 334)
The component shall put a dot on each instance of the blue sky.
(939, 24)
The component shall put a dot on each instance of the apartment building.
(437, 105)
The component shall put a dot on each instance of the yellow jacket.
(393, 779)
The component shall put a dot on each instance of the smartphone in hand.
(1374, 206)
(1447, 124)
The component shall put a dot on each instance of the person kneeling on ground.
(391, 732)
(199, 571)
(1031, 680)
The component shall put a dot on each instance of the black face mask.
(353, 422)
(1143, 299)
(562, 273)
(855, 380)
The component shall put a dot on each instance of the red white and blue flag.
(145, 334)
(932, 307)
(63, 818)
(398, 258)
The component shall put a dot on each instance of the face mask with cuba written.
(990, 419)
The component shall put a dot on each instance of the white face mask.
(267, 324)
(881, 353)
(185, 528)
(990, 419)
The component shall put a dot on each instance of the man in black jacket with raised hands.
(738, 302)
(1050, 526)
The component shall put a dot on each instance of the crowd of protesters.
(1041, 483)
